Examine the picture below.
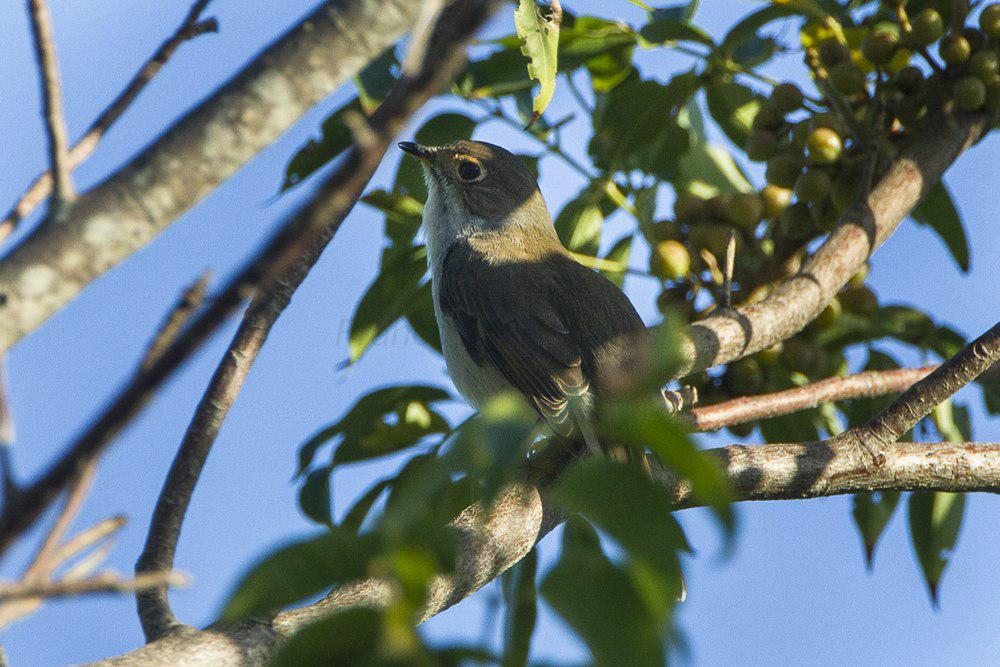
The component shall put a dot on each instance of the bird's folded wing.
(545, 325)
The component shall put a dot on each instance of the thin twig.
(45, 560)
(430, 10)
(186, 306)
(52, 108)
(105, 582)
(192, 26)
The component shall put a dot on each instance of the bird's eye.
(469, 171)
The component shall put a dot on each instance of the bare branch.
(46, 560)
(52, 108)
(178, 316)
(765, 406)
(41, 187)
(191, 158)
(105, 582)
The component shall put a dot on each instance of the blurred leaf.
(579, 222)
(952, 422)
(935, 520)
(440, 129)
(421, 317)
(403, 214)
(366, 426)
(520, 597)
(604, 47)
(744, 43)
(938, 212)
(359, 511)
(810, 9)
(664, 30)
(349, 637)
(314, 496)
(707, 170)
(297, 571)
(619, 254)
(872, 512)
(500, 73)
(643, 424)
(680, 12)
(540, 45)
(946, 342)
(376, 80)
(634, 128)
(335, 139)
(733, 106)
(388, 298)
(904, 323)
(599, 600)
(991, 395)
(796, 427)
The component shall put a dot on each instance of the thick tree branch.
(190, 159)
(736, 333)
(41, 187)
(52, 107)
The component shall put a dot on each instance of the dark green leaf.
(744, 44)
(502, 72)
(946, 342)
(314, 154)
(935, 520)
(579, 222)
(707, 170)
(603, 46)
(619, 254)
(733, 106)
(872, 512)
(314, 495)
(359, 511)
(297, 571)
(376, 80)
(938, 212)
(667, 31)
(349, 637)
(520, 596)
(680, 12)
(403, 214)
(991, 395)
(796, 427)
(421, 317)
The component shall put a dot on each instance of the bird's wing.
(545, 326)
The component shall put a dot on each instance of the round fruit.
(993, 96)
(795, 222)
(812, 186)
(910, 109)
(848, 79)
(858, 279)
(832, 52)
(844, 191)
(879, 47)
(664, 230)
(970, 93)
(711, 236)
(775, 199)
(745, 210)
(783, 169)
(688, 207)
(984, 64)
(910, 80)
(761, 145)
(859, 300)
(830, 120)
(824, 146)
(786, 97)
(825, 214)
(745, 376)
(829, 315)
(954, 49)
(670, 260)
(770, 355)
(976, 38)
(802, 356)
(768, 118)
(742, 430)
(989, 20)
(927, 28)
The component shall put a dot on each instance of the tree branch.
(105, 582)
(41, 187)
(52, 108)
(190, 159)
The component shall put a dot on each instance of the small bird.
(515, 310)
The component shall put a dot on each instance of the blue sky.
(795, 588)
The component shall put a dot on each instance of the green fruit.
(879, 47)
(670, 260)
(993, 96)
(910, 80)
(984, 64)
(927, 28)
(768, 118)
(711, 236)
(910, 109)
(671, 301)
(954, 49)
(989, 20)
(664, 230)
(742, 430)
(832, 52)
(829, 315)
(745, 210)
(786, 97)
(803, 356)
(812, 186)
(795, 223)
(771, 355)
(824, 146)
(689, 207)
(831, 120)
(783, 169)
(825, 214)
(844, 191)
(848, 79)
(745, 377)
(970, 93)
(858, 279)
(859, 300)
(975, 38)
(775, 199)
(761, 145)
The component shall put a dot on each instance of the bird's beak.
(422, 152)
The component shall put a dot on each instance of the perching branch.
(317, 224)
(191, 158)
(52, 108)
(41, 187)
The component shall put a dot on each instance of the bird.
(515, 310)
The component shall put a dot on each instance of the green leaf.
(539, 44)
(681, 12)
(335, 139)
(579, 222)
(744, 44)
(520, 596)
(733, 106)
(359, 511)
(389, 297)
(938, 212)
(297, 571)
(796, 427)
(952, 422)
(601, 602)
(872, 512)
(501, 73)
(644, 424)
(707, 170)
(314, 496)
(349, 637)
(376, 80)
(619, 254)
(403, 214)
(604, 47)
(935, 521)
(666, 31)
(946, 342)
(422, 320)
